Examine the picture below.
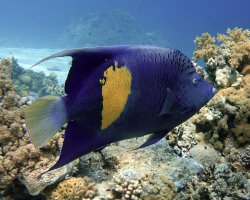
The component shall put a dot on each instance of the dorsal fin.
(84, 61)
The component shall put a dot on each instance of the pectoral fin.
(173, 106)
(169, 102)
(188, 110)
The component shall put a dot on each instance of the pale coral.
(147, 187)
(126, 188)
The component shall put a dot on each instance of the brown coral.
(228, 112)
(5, 77)
(236, 43)
(75, 189)
(18, 157)
(205, 48)
(159, 189)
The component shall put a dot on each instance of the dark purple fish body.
(116, 93)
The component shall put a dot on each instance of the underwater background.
(207, 157)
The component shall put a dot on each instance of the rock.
(205, 154)
(36, 184)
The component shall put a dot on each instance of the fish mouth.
(213, 91)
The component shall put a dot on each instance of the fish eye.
(195, 81)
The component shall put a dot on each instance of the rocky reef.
(206, 157)
(36, 84)
(111, 27)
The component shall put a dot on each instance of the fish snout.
(213, 91)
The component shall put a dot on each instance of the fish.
(115, 93)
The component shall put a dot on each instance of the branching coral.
(18, 157)
(238, 42)
(226, 56)
(127, 189)
(149, 186)
(75, 189)
(205, 48)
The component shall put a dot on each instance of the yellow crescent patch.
(116, 87)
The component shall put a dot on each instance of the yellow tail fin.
(44, 118)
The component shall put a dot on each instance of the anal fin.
(78, 141)
(154, 138)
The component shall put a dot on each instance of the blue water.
(39, 24)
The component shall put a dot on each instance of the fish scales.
(115, 93)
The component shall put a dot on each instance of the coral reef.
(207, 157)
(182, 138)
(133, 166)
(218, 181)
(19, 160)
(225, 57)
(219, 134)
(34, 83)
(111, 27)
(228, 112)
(222, 128)
(149, 186)
(73, 188)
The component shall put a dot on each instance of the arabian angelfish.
(115, 93)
